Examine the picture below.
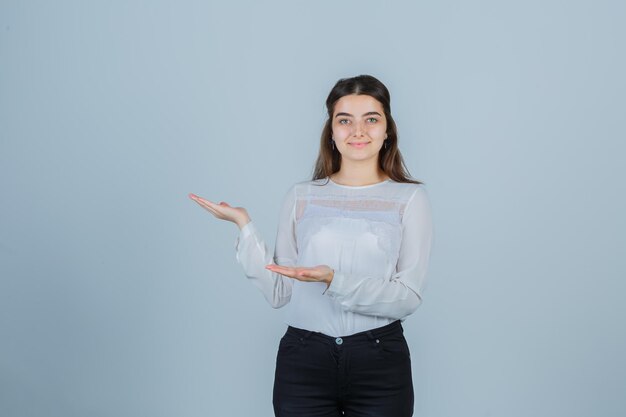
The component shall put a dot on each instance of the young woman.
(349, 265)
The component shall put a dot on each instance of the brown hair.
(389, 158)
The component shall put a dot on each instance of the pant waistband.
(367, 334)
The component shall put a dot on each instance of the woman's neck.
(357, 179)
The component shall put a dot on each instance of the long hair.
(389, 158)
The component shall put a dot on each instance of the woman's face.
(359, 127)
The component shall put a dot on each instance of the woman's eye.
(341, 121)
(372, 119)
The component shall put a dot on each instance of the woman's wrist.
(241, 223)
(332, 275)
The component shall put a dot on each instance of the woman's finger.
(199, 199)
(299, 273)
(212, 208)
(281, 269)
(206, 205)
(209, 204)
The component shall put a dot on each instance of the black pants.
(361, 375)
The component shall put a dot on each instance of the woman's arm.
(252, 253)
(399, 295)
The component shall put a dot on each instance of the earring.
(332, 143)
(386, 143)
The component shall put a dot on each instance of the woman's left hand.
(319, 273)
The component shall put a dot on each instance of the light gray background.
(119, 296)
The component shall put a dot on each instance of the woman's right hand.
(224, 211)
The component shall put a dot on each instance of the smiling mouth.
(358, 144)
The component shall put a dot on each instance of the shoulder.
(417, 205)
(412, 199)
(405, 191)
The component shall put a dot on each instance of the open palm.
(319, 273)
(223, 210)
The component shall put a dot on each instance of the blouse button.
(339, 340)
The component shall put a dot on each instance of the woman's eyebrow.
(369, 113)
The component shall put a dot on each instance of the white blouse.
(377, 238)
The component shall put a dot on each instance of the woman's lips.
(359, 145)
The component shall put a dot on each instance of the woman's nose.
(358, 129)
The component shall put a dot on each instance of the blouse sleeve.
(399, 295)
(252, 253)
